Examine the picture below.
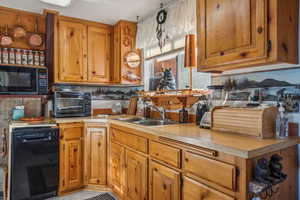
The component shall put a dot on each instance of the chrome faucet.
(160, 110)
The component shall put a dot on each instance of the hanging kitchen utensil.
(35, 39)
(19, 31)
(6, 40)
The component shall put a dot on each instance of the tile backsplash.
(106, 92)
(264, 87)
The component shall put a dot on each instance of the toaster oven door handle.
(69, 107)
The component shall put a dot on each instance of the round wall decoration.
(160, 31)
(161, 16)
(132, 59)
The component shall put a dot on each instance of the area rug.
(104, 196)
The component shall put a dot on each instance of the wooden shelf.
(174, 99)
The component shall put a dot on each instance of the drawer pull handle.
(186, 160)
(201, 150)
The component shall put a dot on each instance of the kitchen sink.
(146, 122)
(130, 119)
(155, 122)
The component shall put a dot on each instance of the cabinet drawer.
(130, 140)
(193, 190)
(211, 170)
(71, 131)
(165, 153)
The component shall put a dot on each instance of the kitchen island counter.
(189, 134)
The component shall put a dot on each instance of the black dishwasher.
(34, 163)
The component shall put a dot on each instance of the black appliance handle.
(32, 140)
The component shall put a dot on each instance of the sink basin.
(155, 122)
(146, 122)
(130, 119)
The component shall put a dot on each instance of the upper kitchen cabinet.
(124, 44)
(235, 34)
(80, 50)
(72, 50)
(99, 54)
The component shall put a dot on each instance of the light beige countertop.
(54, 121)
(92, 119)
(190, 134)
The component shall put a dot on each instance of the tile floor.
(77, 196)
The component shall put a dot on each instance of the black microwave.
(23, 80)
(72, 104)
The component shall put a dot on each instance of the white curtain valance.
(181, 20)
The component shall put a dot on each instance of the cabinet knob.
(260, 30)
(164, 186)
(186, 160)
(93, 72)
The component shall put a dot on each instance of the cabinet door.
(95, 156)
(136, 176)
(72, 52)
(99, 54)
(117, 165)
(164, 182)
(193, 190)
(71, 157)
(231, 31)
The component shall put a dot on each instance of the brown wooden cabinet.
(234, 34)
(99, 40)
(124, 42)
(117, 166)
(178, 171)
(95, 155)
(136, 171)
(72, 51)
(82, 51)
(164, 183)
(193, 190)
(71, 157)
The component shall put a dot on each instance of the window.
(174, 62)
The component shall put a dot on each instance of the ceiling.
(106, 11)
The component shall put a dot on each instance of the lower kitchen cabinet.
(117, 166)
(71, 157)
(164, 182)
(95, 156)
(193, 190)
(136, 171)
